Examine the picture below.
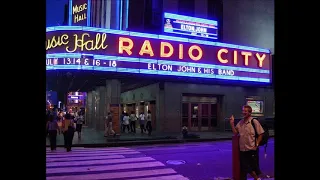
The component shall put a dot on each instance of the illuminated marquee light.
(144, 60)
(126, 45)
(143, 71)
(166, 45)
(89, 13)
(79, 9)
(185, 34)
(190, 26)
(109, 63)
(153, 54)
(98, 43)
(79, 12)
(70, 13)
(101, 30)
(188, 18)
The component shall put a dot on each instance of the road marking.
(106, 164)
(104, 168)
(89, 152)
(93, 154)
(172, 177)
(83, 158)
(96, 162)
(114, 175)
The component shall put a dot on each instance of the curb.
(147, 142)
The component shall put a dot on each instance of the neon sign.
(190, 26)
(152, 65)
(123, 51)
(79, 12)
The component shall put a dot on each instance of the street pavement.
(93, 138)
(194, 161)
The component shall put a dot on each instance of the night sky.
(55, 12)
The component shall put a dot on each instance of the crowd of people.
(251, 133)
(65, 123)
(68, 122)
(128, 123)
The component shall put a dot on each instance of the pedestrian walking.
(142, 122)
(133, 119)
(68, 131)
(108, 125)
(52, 126)
(79, 122)
(149, 123)
(126, 122)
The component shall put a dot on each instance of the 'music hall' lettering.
(78, 14)
(80, 43)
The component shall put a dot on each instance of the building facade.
(196, 103)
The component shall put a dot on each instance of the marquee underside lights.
(87, 48)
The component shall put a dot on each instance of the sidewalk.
(94, 138)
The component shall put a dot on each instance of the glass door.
(200, 116)
(214, 115)
(194, 117)
(185, 115)
(204, 123)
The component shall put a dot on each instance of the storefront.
(51, 99)
(200, 107)
(76, 100)
(203, 82)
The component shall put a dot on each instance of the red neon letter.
(219, 55)
(235, 57)
(180, 51)
(146, 48)
(125, 48)
(246, 57)
(194, 47)
(260, 59)
(162, 53)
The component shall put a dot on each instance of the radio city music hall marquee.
(156, 53)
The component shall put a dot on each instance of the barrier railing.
(235, 158)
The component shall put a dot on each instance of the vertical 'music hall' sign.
(79, 12)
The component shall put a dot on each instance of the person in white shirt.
(149, 126)
(142, 122)
(133, 119)
(125, 122)
(249, 144)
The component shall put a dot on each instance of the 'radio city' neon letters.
(163, 45)
(126, 44)
(246, 55)
(109, 44)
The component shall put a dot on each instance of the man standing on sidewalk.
(248, 143)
